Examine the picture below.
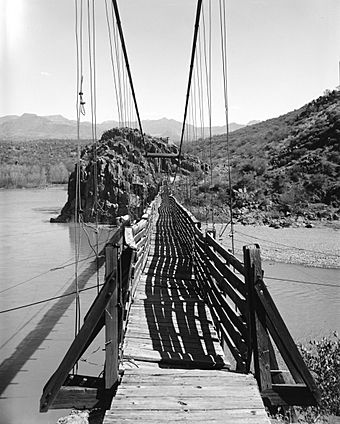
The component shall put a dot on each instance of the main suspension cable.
(192, 60)
(121, 35)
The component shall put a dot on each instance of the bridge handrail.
(125, 254)
(245, 315)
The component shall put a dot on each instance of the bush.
(323, 360)
(19, 176)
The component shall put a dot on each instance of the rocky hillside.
(285, 166)
(126, 180)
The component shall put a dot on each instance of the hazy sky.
(281, 54)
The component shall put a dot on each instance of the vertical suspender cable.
(115, 37)
(94, 123)
(112, 61)
(198, 14)
(207, 65)
(193, 50)
(121, 35)
(80, 110)
(223, 27)
(210, 115)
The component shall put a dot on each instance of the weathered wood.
(227, 289)
(257, 318)
(136, 228)
(232, 278)
(285, 342)
(289, 395)
(227, 318)
(229, 257)
(111, 319)
(169, 395)
(75, 397)
(73, 354)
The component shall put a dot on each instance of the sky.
(281, 54)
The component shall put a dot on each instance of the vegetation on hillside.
(37, 163)
(287, 166)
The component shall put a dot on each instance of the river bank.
(311, 247)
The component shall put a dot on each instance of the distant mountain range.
(34, 127)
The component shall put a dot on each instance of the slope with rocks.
(282, 167)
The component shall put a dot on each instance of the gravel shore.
(315, 247)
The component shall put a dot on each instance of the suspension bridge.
(192, 333)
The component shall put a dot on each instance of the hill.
(283, 166)
(124, 180)
(34, 127)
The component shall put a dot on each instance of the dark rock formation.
(124, 180)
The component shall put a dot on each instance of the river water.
(36, 263)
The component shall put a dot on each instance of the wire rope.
(127, 65)
(207, 70)
(193, 50)
(322, 284)
(223, 30)
(49, 299)
(288, 245)
(302, 282)
(112, 59)
(116, 44)
(79, 51)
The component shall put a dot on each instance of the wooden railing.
(249, 324)
(125, 258)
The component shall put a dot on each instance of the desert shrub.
(58, 174)
(322, 357)
(19, 176)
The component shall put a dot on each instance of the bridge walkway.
(174, 366)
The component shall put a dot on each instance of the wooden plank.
(186, 403)
(227, 273)
(136, 228)
(226, 287)
(289, 395)
(224, 319)
(284, 340)
(111, 319)
(141, 234)
(76, 397)
(240, 415)
(257, 319)
(73, 354)
(194, 391)
(229, 257)
(182, 210)
(196, 348)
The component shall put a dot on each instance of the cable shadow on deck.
(178, 323)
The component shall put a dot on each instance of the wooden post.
(259, 342)
(111, 319)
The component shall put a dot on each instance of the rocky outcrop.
(115, 178)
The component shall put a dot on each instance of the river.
(36, 263)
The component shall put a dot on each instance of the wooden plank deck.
(174, 366)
